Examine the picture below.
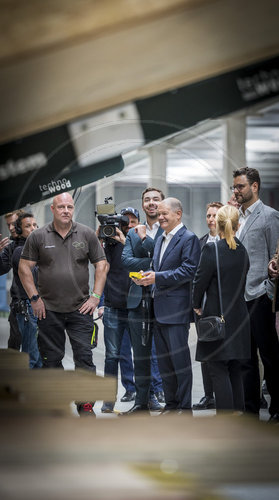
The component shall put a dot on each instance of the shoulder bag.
(212, 328)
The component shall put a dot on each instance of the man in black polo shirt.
(62, 250)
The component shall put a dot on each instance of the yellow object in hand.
(136, 275)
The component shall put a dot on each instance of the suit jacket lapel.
(251, 219)
(173, 242)
(159, 232)
(157, 251)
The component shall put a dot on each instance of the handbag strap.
(219, 282)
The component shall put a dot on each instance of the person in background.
(207, 401)
(115, 300)
(27, 323)
(137, 255)
(7, 246)
(273, 271)
(259, 233)
(223, 356)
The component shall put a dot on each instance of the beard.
(153, 216)
(244, 198)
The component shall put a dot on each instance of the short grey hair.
(173, 203)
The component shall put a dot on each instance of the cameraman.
(7, 247)
(115, 296)
(21, 307)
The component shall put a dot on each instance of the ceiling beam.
(62, 60)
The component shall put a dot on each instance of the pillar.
(158, 167)
(234, 153)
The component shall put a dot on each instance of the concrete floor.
(98, 357)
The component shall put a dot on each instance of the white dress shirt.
(167, 238)
(151, 231)
(243, 217)
(211, 238)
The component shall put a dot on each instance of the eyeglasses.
(238, 187)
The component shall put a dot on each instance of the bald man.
(62, 302)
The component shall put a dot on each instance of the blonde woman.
(223, 357)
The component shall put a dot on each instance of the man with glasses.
(259, 232)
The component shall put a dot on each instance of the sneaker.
(85, 409)
(128, 396)
(153, 404)
(206, 403)
(263, 403)
(160, 397)
(264, 388)
(107, 407)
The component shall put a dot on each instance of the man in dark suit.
(258, 232)
(176, 256)
(207, 401)
(136, 256)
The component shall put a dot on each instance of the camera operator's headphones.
(18, 222)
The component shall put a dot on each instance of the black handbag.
(212, 328)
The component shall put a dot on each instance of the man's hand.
(3, 243)
(39, 309)
(232, 201)
(272, 269)
(89, 306)
(140, 229)
(198, 311)
(101, 311)
(119, 236)
(148, 278)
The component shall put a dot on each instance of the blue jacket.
(137, 256)
(174, 276)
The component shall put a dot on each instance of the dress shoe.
(153, 404)
(161, 397)
(128, 396)
(206, 403)
(134, 410)
(107, 407)
(274, 419)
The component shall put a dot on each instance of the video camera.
(109, 219)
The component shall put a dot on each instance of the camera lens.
(108, 231)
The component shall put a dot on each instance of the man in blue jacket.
(176, 256)
(137, 255)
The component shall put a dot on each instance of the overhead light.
(105, 135)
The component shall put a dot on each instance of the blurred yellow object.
(138, 276)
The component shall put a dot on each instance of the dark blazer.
(234, 265)
(203, 240)
(174, 275)
(137, 256)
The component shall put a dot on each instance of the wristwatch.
(34, 298)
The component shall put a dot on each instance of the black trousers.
(206, 378)
(142, 356)
(174, 364)
(51, 339)
(264, 338)
(227, 384)
(14, 341)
